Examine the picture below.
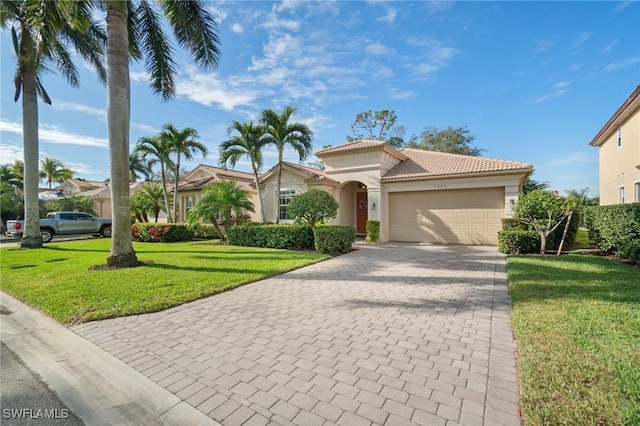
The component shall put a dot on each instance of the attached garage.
(458, 216)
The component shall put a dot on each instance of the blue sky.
(532, 81)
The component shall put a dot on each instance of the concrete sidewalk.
(97, 387)
(395, 334)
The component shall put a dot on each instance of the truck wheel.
(47, 235)
(106, 231)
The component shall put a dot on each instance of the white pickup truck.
(64, 223)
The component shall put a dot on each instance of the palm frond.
(195, 29)
(159, 61)
(42, 92)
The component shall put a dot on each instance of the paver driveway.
(391, 334)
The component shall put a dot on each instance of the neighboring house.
(191, 185)
(418, 196)
(618, 145)
(99, 192)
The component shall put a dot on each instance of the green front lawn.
(576, 320)
(56, 279)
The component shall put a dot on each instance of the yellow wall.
(619, 165)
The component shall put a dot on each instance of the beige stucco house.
(618, 145)
(418, 196)
(99, 192)
(191, 185)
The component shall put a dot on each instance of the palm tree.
(138, 167)
(43, 33)
(279, 132)
(220, 199)
(53, 170)
(247, 143)
(134, 30)
(153, 195)
(158, 149)
(17, 168)
(181, 142)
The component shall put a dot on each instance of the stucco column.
(337, 194)
(511, 195)
(373, 197)
(384, 216)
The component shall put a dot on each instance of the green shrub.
(516, 241)
(373, 231)
(289, 237)
(513, 223)
(160, 232)
(313, 207)
(614, 229)
(630, 251)
(334, 239)
(205, 231)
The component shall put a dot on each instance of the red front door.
(362, 212)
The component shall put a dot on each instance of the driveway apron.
(391, 334)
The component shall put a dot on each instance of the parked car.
(64, 223)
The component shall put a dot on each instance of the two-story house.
(618, 144)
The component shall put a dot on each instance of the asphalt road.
(25, 399)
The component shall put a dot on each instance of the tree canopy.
(454, 140)
(378, 125)
(313, 207)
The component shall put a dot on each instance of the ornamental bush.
(205, 231)
(334, 239)
(614, 229)
(373, 231)
(160, 232)
(288, 237)
(517, 241)
(313, 207)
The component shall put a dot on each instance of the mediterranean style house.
(191, 185)
(417, 195)
(618, 145)
(99, 192)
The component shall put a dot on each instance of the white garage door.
(460, 216)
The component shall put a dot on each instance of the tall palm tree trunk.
(175, 189)
(260, 201)
(164, 191)
(118, 116)
(279, 184)
(31, 237)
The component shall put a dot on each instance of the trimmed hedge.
(615, 229)
(288, 237)
(517, 241)
(205, 231)
(160, 232)
(334, 239)
(373, 231)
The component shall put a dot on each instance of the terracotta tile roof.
(86, 185)
(353, 146)
(310, 172)
(423, 163)
(226, 173)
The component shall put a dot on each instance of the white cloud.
(99, 113)
(434, 7)
(208, 89)
(398, 94)
(580, 39)
(10, 152)
(56, 134)
(435, 56)
(562, 84)
(378, 49)
(390, 16)
(287, 5)
(615, 66)
(577, 157)
(544, 98)
(621, 6)
(610, 46)
(237, 28)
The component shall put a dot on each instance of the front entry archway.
(362, 212)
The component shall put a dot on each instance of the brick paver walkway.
(391, 334)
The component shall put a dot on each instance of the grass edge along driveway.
(56, 279)
(576, 320)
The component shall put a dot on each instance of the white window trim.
(636, 192)
(295, 192)
(619, 137)
(623, 199)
